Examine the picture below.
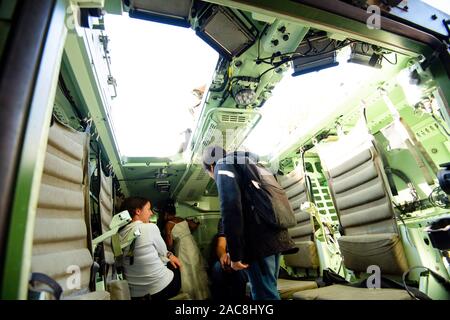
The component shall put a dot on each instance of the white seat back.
(362, 198)
(303, 233)
(61, 242)
(105, 200)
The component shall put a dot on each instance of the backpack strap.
(130, 253)
(244, 183)
(130, 242)
(56, 289)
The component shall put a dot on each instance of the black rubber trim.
(18, 71)
(351, 12)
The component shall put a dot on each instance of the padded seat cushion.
(341, 292)
(181, 296)
(96, 295)
(106, 211)
(62, 223)
(301, 230)
(384, 250)
(287, 287)
(119, 290)
(306, 257)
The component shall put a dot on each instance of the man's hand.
(225, 260)
(175, 262)
(238, 265)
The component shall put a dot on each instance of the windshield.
(443, 5)
(299, 104)
(157, 67)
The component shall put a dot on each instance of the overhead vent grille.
(232, 126)
(234, 118)
(162, 186)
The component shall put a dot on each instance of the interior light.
(244, 90)
(162, 186)
(174, 12)
(225, 32)
(365, 54)
(244, 96)
(315, 62)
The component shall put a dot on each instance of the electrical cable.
(68, 96)
(293, 57)
(274, 67)
(407, 181)
(433, 201)
(393, 63)
(440, 124)
(224, 97)
(405, 285)
(296, 55)
(445, 282)
(326, 47)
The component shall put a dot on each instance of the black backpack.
(267, 198)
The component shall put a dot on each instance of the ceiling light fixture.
(222, 29)
(174, 12)
(323, 55)
(244, 90)
(365, 54)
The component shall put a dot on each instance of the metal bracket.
(119, 220)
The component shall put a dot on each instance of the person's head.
(169, 209)
(139, 208)
(211, 155)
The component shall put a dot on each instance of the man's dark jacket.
(248, 238)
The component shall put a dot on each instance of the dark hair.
(211, 155)
(133, 203)
(169, 207)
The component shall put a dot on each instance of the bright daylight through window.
(443, 5)
(299, 104)
(157, 67)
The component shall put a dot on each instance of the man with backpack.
(254, 218)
